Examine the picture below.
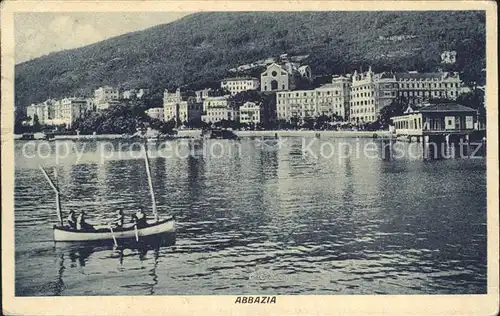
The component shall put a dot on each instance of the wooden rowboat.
(154, 229)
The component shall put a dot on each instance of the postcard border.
(224, 305)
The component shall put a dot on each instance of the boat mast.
(150, 182)
(56, 190)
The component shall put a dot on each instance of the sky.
(37, 34)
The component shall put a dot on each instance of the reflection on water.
(259, 220)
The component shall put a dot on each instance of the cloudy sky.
(38, 34)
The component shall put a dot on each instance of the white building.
(216, 109)
(156, 113)
(44, 111)
(250, 113)
(129, 94)
(58, 112)
(38, 111)
(213, 115)
(67, 110)
(449, 57)
(447, 118)
(181, 106)
(420, 87)
(333, 98)
(299, 104)
(329, 99)
(275, 78)
(239, 84)
(371, 92)
(104, 97)
(142, 93)
(284, 76)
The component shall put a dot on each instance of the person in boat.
(120, 219)
(81, 224)
(71, 219)
(139, 218)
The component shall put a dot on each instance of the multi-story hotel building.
(44, 111)
(329, 99)
(67, 110)
(106, 96)
(419, 87)
(40, 111)
(181, 106)
(369, 93)
(250, 113)
(57, 112)
(106, 93)
(236, 85)
(298, 103)
(360, 97)
(386, 90)
(71, 109)
(216, 109)
(333, 98)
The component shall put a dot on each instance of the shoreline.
(195, 133)
(295, 133)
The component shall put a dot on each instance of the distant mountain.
(202, 47)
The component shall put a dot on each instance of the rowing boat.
(152, 229)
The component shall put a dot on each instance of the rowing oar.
(113, 235)
(136, 233)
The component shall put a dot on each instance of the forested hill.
(202, 47)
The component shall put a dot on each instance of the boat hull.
(152, 230)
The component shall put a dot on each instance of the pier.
(438, 126)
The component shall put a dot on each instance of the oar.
(136, 233)
(56, 190)
(113, 235)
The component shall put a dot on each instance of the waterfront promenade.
(265, 133)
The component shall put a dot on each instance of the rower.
(81, 224)
(140, 218)
(71, 219)
(120, 219)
